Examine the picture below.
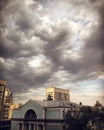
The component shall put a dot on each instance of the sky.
(51, 42)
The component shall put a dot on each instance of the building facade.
(58, 93)
(41, 115)
(5, 101)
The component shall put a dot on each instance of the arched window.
(30, 115)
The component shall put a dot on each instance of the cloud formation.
(44, 43)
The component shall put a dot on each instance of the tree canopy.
(79, 120)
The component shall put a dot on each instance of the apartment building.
(5, 100)
(58, 93)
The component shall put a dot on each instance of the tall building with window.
(5, 100)
(58, 93)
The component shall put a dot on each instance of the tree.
(72, 122)
(98, 104)
(86, 114)
(49, 97)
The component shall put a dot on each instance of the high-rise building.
(57, 94)
(5, 100)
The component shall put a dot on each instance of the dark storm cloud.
(5, 45)
(20, 76)
(16, 28)
(7, 48)
(10, 46)
(93, 51)
(3, 4)
(2, 69)
(24, 36)
(16, 46)
(56, 42)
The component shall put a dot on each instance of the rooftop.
(54, 103)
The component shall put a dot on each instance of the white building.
(41, 115)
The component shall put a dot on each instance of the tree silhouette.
(49, 97)
(86, 114)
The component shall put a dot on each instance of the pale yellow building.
(58, 93)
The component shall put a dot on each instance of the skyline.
(45, 43)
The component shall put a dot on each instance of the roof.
(55, 103)
(51, 104)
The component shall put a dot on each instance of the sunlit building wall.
(13, 107)
(5, 100)
(58, 93)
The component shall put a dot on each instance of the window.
(30, 115)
